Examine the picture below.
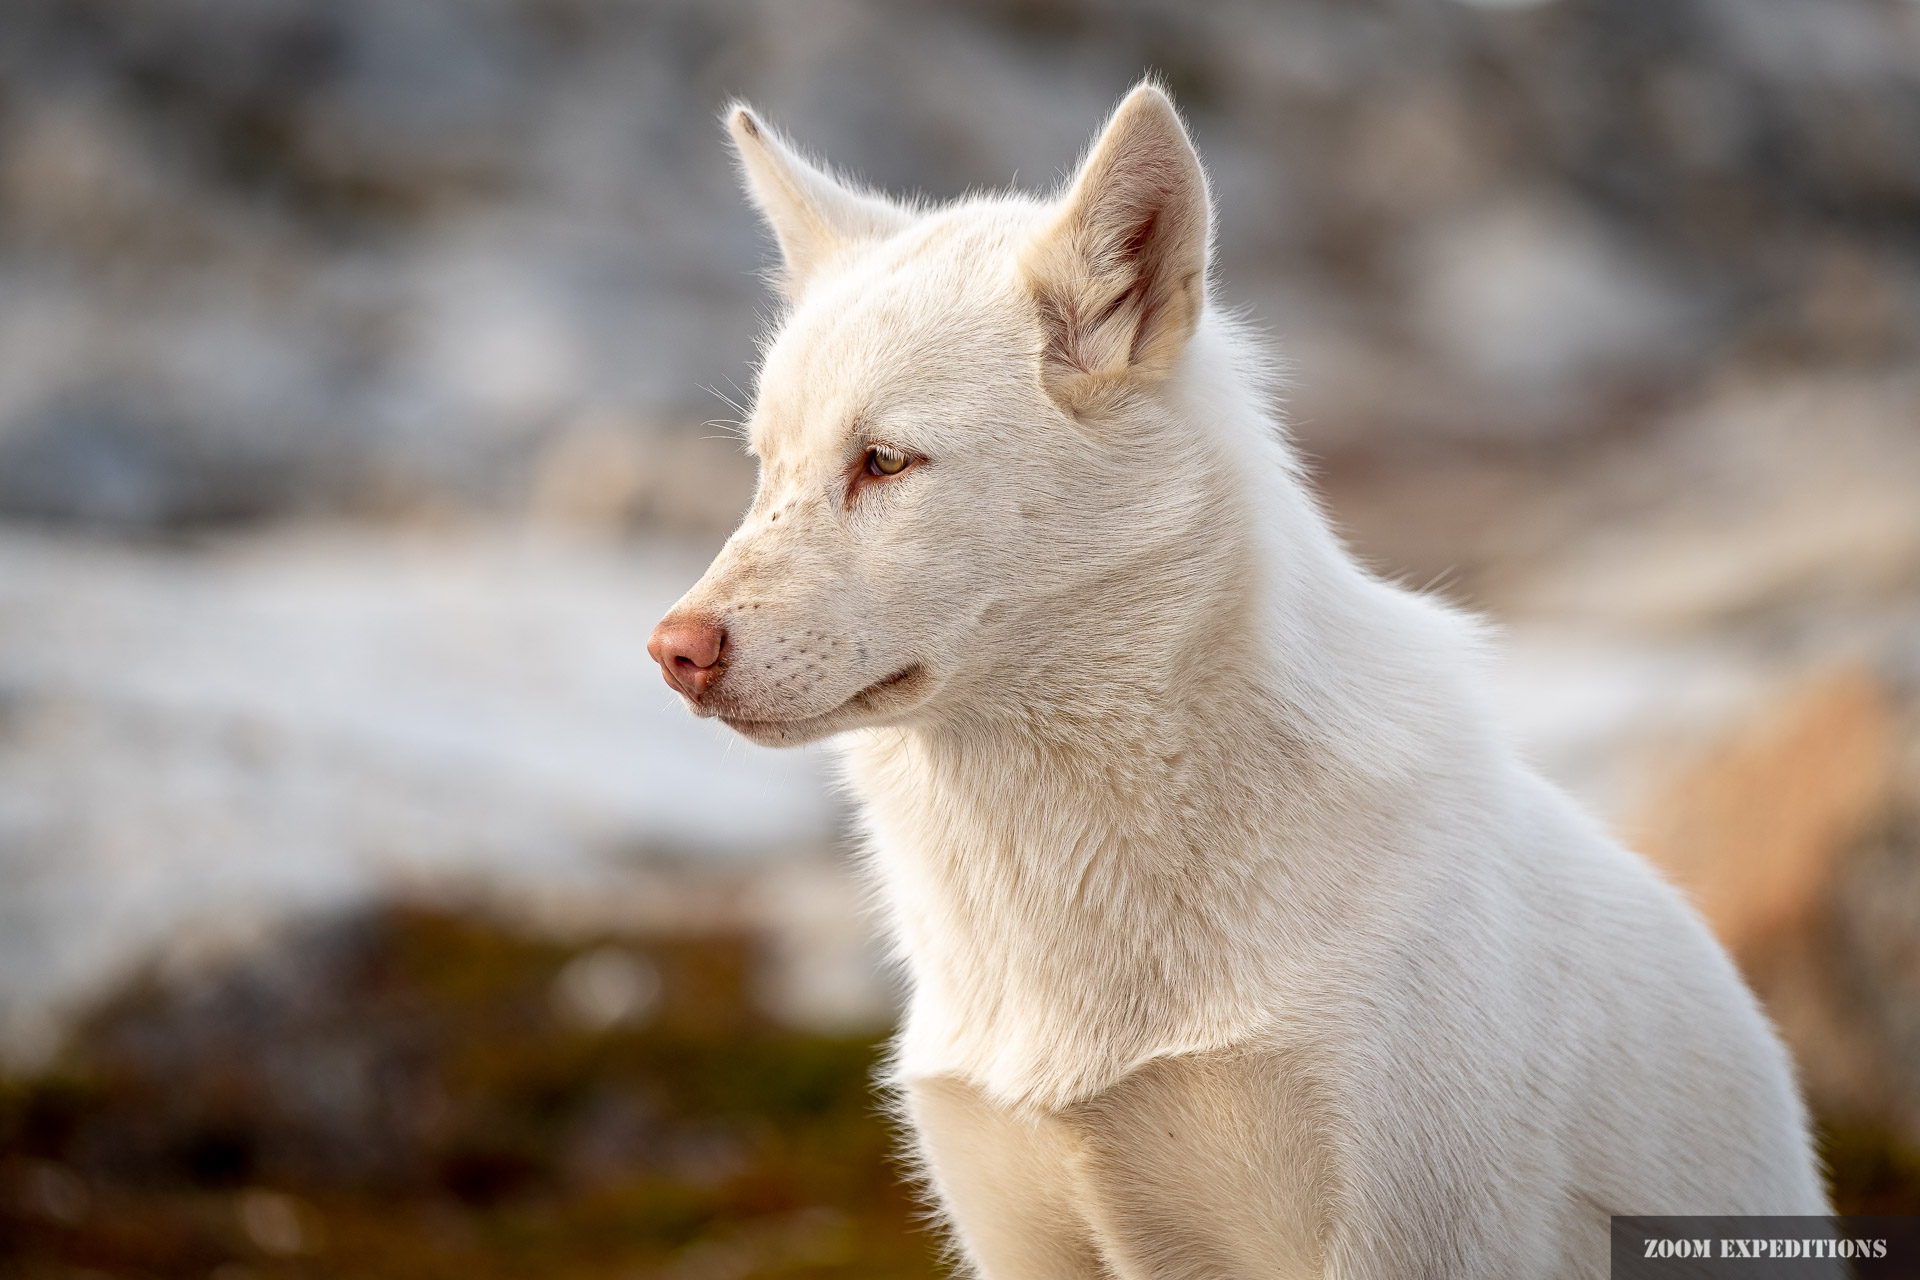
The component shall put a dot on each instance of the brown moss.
(404, 1082)
(1871, 1171)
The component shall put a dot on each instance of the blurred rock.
(111, 464)
(276, 1224)
(607, 987)
(313, 254)
(606, 471)
(1765, 496)
(1547, 310)
(1755, 828)
(196, 744)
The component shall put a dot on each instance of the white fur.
(1240, 942)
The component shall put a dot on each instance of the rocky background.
(367, 908)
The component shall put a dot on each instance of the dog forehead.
(926, 317)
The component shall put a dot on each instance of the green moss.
(406, 1080)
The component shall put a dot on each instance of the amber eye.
(884, 461)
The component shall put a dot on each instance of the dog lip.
(873, 690)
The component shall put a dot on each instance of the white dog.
(1240, 942)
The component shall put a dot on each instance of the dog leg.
(1006, 1182)
(1221, 1165)
(1205, 1166)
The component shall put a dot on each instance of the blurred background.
(367, 905)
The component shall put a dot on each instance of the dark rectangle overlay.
(1749, 1248)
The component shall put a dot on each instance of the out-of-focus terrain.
(366, 905)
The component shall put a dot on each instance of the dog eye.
(885, 461)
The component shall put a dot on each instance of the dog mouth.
(881, 695)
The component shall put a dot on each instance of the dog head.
(966, 473)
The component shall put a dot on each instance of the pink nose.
(688, 651)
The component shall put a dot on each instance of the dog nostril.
(689, 652)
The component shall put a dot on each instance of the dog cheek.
(799, 636)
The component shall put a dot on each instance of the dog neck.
(1162, 835)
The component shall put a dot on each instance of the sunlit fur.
(1240, 943)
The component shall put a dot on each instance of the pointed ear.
(813, 215)
(1120, 272)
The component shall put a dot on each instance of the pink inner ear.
(1119, 278)
(1128, 301)
(1137, 242)
(1061, 319)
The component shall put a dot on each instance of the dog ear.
(1120, 272)
(813, 214)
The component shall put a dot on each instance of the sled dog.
(1240, 942)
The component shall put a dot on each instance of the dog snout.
(689, 652)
